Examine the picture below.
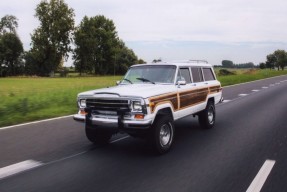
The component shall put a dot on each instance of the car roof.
(193, 63)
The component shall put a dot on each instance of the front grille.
(108, 104)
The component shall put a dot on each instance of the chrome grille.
(108, 104)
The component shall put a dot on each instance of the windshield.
(150, 74)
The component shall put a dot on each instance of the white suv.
(147, 101)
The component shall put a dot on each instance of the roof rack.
(191, 61)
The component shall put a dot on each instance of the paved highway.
(246, 149)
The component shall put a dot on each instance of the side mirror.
(181, 83)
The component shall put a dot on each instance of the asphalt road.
(250, 129)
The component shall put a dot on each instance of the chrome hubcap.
(211, 115)
(165, 134)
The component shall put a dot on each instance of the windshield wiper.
(145, 80)
(128, 81)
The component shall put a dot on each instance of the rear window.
(208, 74)
(196, 74)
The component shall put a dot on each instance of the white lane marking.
(255, 90)
(35, 122)
(261, 176)
(30, 164)
(120, 139)
(242, 95)
(264, 87)
(226, 101)
(18, 167)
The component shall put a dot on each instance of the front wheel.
(163, 134)
(98, 137)
(207, 116)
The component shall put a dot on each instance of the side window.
(185, 75)
(196, 74)
(208, 74)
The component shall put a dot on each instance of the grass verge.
(28, 99)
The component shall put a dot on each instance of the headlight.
(82, 103)
(136, 106)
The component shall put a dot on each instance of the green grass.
(29, 99)
(247, 75)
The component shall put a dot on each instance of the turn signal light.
(82, 112)
(139, 116)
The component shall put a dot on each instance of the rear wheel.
(207, 116)
(98, 137)
(163, 134)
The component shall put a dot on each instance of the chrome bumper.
(79, 117)
(114, 123)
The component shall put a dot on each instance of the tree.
(157, 60)
(227, 64)
(281, 59)
(270, 62)
(125, 57)
(262, 65)
(96, 45)
(51, 41)
(8, 22)
(11, 47)
(277, 59)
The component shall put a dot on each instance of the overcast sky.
(214, 30)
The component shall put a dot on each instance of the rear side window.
(185, 75)
(208, 74)
(196, 74)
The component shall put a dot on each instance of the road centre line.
(242, 95)
(261, 176)
(18, 168)
(255, 90)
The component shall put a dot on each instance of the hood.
(133, 90)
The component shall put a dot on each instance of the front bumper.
(113, 123)
(105, 123)
(80, 116)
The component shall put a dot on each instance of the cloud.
(225, 28)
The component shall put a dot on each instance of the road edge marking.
(35, 122)
(18, 168)
(261, 176)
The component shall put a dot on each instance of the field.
(247, 75)
(29, 99)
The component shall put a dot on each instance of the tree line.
(94, 44)
(230, 64)
(277, 59)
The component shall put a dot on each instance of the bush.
(224, 72)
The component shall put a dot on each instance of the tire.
(98, 137)
(162, 134)
(206, 118)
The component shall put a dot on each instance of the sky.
(214, 30)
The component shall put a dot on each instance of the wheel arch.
(166, 111)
